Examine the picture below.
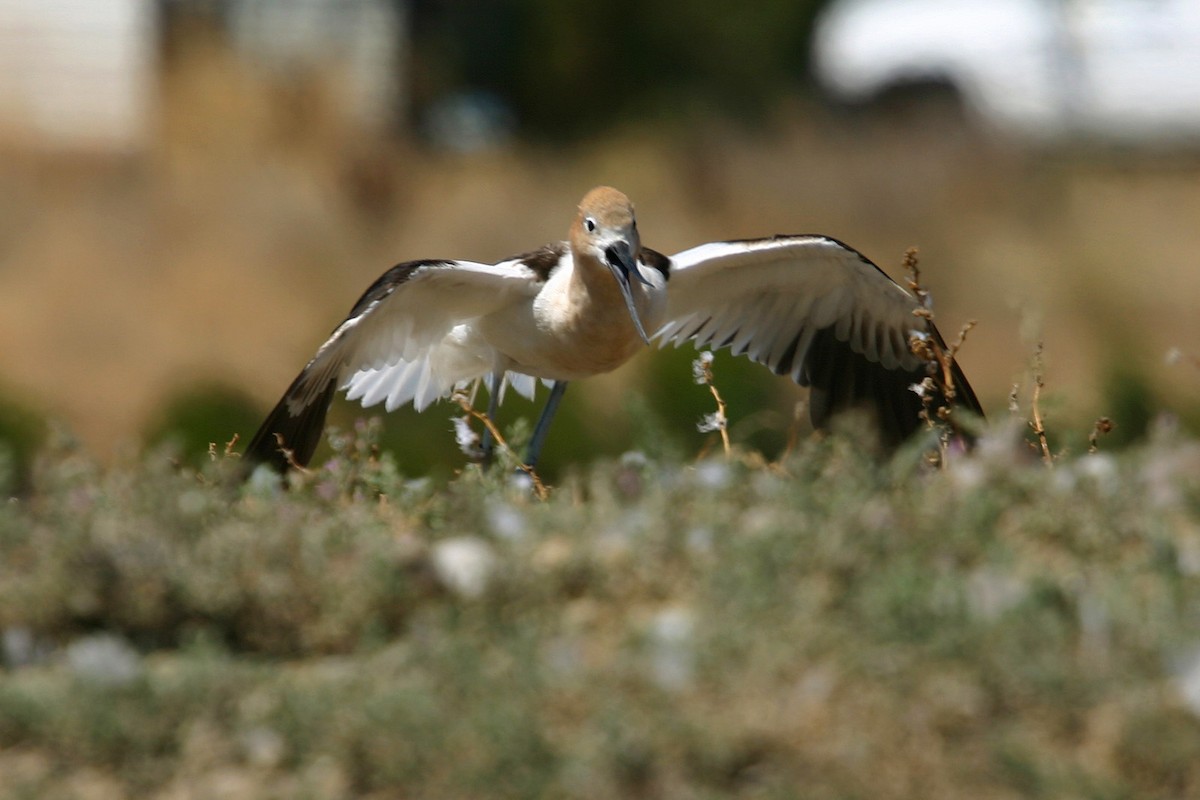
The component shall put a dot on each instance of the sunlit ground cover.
(830, 625)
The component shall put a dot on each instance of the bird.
(806, 306)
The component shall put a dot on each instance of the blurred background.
(194, 192)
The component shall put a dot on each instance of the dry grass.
(238, 239)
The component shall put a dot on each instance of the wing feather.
(403, 341)
(688, 327)
(812, 308)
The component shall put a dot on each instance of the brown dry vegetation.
(230, 246)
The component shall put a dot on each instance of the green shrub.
(830, 626)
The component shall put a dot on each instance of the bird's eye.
(590, 224)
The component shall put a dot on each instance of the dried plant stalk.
(464, 402)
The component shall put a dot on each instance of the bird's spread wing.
(405, 337)
(812, 308)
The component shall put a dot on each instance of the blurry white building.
(77, 73)
(82, 74)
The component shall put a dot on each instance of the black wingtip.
(842, 380)
(285, 441)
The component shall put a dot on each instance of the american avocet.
(806, 306)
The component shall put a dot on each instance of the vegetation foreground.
(828, 627)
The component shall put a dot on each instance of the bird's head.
(606, 229)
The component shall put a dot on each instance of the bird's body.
(576, 324)
(806, 306)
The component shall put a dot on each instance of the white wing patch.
(415, 382)
(767, 298)
(412, 343)
(433, 374)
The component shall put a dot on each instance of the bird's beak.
(623, 264)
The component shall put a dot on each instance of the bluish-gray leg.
(485, 442)
(543, 423)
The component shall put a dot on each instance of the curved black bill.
(623, 264)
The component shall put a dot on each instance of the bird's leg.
(543, 423)
(486, 444)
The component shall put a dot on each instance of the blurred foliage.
(575, 68)
(725, 628)
(1130, 398)
(22, 431)
(199, 416)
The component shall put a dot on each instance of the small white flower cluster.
(924, 389)
(672, 648)
(1186, 673)
(467, 438)
(702, 368)
(104, 659)
(712, 422)
(464, 564)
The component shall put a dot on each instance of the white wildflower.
(672, 649)
(521, 481)
(702, 367)
(464, 564)
(917, 388)
(506, 522)
(712, 422)
(1101, 468)
(966, 473)
(104, 659)
(713, 474)
(467, 438)
(1186, 673)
